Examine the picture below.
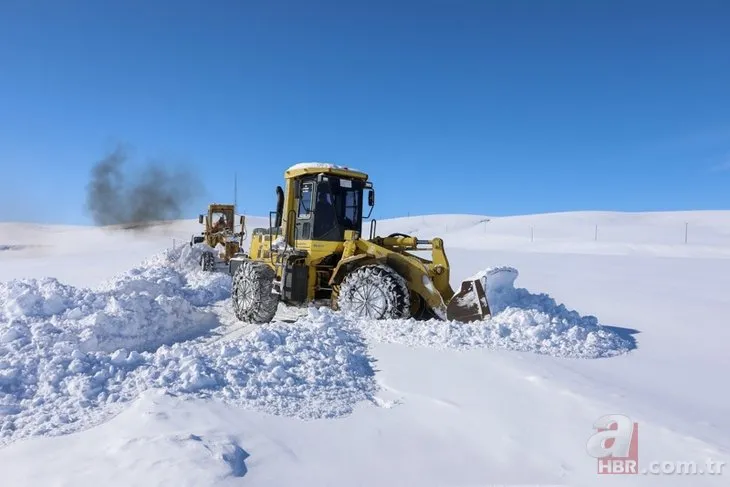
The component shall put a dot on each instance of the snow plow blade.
(469, 304)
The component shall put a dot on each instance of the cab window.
(305, 199)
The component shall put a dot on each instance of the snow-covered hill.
(120, 363)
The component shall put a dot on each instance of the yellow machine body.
(219, 233)
(314, 251)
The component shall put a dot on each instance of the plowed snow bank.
(521, 321)
(69, 357)
(150, 305)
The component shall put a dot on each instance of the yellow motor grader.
(314, 252)
(219, 231)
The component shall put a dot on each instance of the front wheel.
(252, 299)
(207, 261)
(374, 292)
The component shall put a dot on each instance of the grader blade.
(469, 304)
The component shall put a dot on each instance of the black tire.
(207, 261)
(252, 299)
(374, 292)
(422, 311)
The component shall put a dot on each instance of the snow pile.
(71, 357)
(520, 321)
(316, 367)
(148, 306)
(319, 165)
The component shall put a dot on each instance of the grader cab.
(219, 233)
(314, 252)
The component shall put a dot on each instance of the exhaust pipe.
(279, 206)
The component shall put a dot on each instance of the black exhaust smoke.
(116, 196)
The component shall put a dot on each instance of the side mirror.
(371, 198)
(200, 219)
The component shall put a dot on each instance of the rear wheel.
(374, 292)
(253, 301)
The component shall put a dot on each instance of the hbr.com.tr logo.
(615, 445)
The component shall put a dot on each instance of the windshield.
(221, 220)
(338, 207)
(344, 196)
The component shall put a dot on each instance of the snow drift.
(520, 321)
(148, 306)
(71, 357)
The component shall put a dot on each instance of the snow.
(119, 371)
(520, 321)
(70, 356)
(320, 165)
(279, 243)
(655, 234)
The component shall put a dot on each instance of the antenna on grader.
(235, 189)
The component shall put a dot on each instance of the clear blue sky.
(452, 106)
